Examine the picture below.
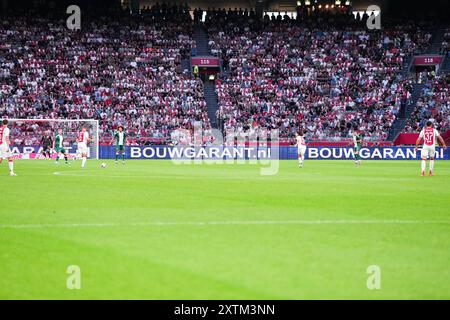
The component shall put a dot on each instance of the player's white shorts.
(301, 150)
(5, 152)
(82, 148)
(428, 151)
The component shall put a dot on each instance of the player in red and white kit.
(301, 147)
(83, 140)
(429, 135)
(5, 152)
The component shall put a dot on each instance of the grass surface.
(136, 231)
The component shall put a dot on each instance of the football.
(260, 151)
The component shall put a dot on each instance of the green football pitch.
(157, 230)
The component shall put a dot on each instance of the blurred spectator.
(434, 104)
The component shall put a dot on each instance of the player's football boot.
(423, 174)
(12, 174)
(431, 173)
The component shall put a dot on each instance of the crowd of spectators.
(166, 12)
(284, 75)
(121, 72)
(434, 104)
(325, 74)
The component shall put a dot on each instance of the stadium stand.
(323, 73)
(434, 103)
(326, 79)
(130, 76)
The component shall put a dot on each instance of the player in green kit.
(120, 140)
(59, 147)
(357, 146)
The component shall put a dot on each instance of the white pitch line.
(213, 223)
